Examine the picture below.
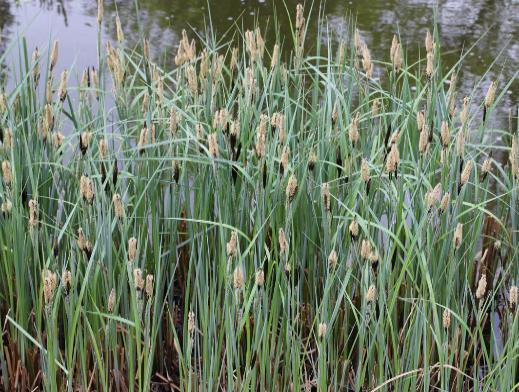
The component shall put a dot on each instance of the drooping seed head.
(50, 283)
(434, 195)
(86, 189)
(57, 139)
(66, 280)
(365, 249)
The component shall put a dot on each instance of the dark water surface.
(495, 23)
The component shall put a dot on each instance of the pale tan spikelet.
(367, 64)
(7, 173)
(66, 280)
(283, 244)
(36, 66)
(86, 138)
(371, 294)
(260, 278)
(354, 228)
(54, 55)
(434, 196)
(429, 44)
(482, 287)
(57, 139)
(238, 278)
(260, 43)
(359, 42)
(111, 301)
(118, 206)
(325, 192)
(232, 245)
(100, 11)
(364, 170)
(332, 259)
(444, 203)
(213, 145)
(192, 81)
(6, 207)
(365, 249)
(486, 167)
(393, 159)
(261, 136)
(312, 159)
(86, 189)
(491, 94)
(458, 236)
(445, 134)
(132, 249)
(464, 114)
(149, 285)
(191, 322)
(33, 213)
(446, 318)
(423, 142)
(397, 59)
(146, 49)
(430, 64)
(81, 239)
(285, 156)
(512, 297)
(8, 138)
(300, 19)
(373, 256)
(138, 279)
(62, 89)
(119, 29)
(322, 329)
(103, 148)
(394, 44)
(353, 130)
(420, 120)
(291, 188)
(274, 61)
(50, 283)
(465, 174)
(173, 121)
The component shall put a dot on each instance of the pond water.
(495, 23)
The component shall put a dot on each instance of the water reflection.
(461, 24)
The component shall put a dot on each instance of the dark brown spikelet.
(103, 173)
(88, 77)
(338, 160)
(55, 248)
(234, 173)
(115, 173)
(1, 135)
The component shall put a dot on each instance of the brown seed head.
(238, 278)
(132, 249)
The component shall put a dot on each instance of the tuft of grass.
(256, 219)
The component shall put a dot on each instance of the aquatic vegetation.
(256, 219)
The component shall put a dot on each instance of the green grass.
(207, 323)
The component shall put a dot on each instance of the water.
(462, 23)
